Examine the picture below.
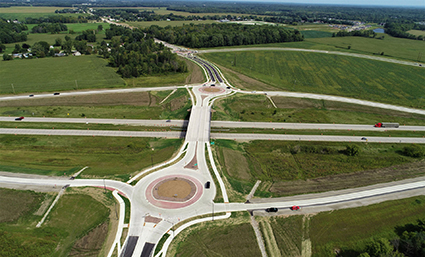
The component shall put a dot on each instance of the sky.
(407, 3)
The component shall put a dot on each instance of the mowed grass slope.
(329, 74)
(64, 155)
(259, 108)
(61, 73)
(349, 230)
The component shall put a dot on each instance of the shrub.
(415, 151)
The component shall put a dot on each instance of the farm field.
(62, 73)
(279, 164)
(20, 13)
(65, 155)
(416, 32)
(259, 108)
(329, 74)
(71, 219)
(145, 24)
(141, 105)
(230, 237)
(349, 230)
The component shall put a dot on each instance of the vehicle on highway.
(271, 209)
(228, 87)
(56, 93)
(295, 208)
(363, 138)
(254, 92)
(20, 118)
(207, 185)
(386, 125)
(213, 85)
(31, 95)
(168, 121)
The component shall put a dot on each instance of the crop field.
(329, 74)
(348, 230)
(279, 162)
(64, 155)
(61, 73)
(142, 105)
(231, 237)
(20, 13)
(259, 108)
(72, 218)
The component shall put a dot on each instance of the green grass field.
(64, 155)
(20, 13)
(61, 73)
(278, 161)
(71, 218)
(259, 108)
(315, 34)
(348, 230)
(329, 74)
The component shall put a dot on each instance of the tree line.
(136, 55)
(355, 33)
(11, 32)
(56, 19)
(52, 28)
(213, 35)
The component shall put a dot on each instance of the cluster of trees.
(410, 242)
(136, 55)
(399, 29)
(52, 28)
(12, 32)
(88, 35)
(56, 19)
(212, 35)
(355, 33)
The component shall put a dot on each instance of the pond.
(379, 30)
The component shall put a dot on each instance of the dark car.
(207, 185)
(20, 118)
(271, 209)
(56, 93)
(31, 95)
(168, 121)
(212, 85)
(364, 138)
(228, 87)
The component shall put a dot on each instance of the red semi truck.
(386, 125)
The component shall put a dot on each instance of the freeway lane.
(90, 92)
(203, 134)
(249, 137)
(106, 133)
(215, 124)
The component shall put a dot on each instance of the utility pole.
(13, 88)
(104, 185)
(212, 204)
(76, 84)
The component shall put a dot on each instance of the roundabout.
(174, 191)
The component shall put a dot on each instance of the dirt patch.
(351, 180)
(236, 164)
(135, 99)
(91, 244)
(196, 73)
(174, 189)
(178, 103)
